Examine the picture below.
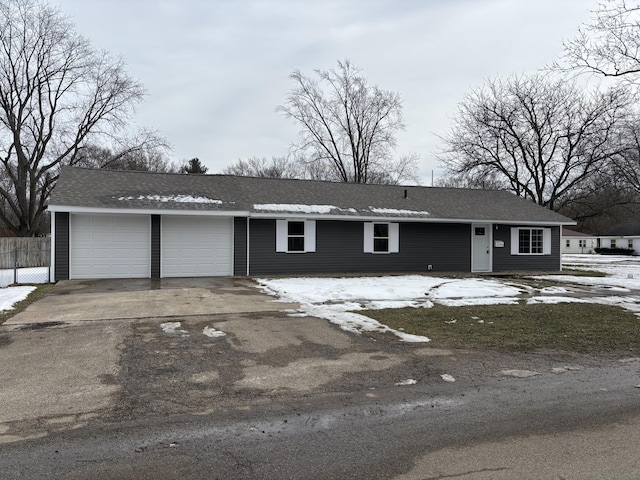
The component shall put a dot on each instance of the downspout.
(561, 246)
(52, 261)
(248, 246)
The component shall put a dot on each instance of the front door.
(481, 247)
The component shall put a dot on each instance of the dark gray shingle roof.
(109, 189)
(629, 229)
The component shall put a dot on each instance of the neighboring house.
(622, 236)
(115, 224)
(577, 242)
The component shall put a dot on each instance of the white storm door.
(481, 247)
(109, 246)
(196, 246)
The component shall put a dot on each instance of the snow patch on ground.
(519, 373)
(173, 327)
(212, 332)
(11, 295)
(462, 302)
(474, 288)
(409, 381)
(555, 300)
(338, 299)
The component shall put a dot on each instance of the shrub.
(615, 251)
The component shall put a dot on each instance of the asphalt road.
(93, 386)
(579, 424)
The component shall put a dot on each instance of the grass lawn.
(577, 327)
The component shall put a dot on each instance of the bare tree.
(627, 162)
(57, 95)
(146, 151)
(609, 45)
(276, 167)
(347, 124)
(485, 181)
(538, 136)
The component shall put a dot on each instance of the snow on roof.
(173, 198)
(395, 211)
(300, 208)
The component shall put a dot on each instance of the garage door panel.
(110, 246)
(196, 246)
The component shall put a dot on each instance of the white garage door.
(109, 246)
(196, 246)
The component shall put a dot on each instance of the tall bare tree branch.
(57, 94)
(537, 136)
(609, 45)
(349, 125)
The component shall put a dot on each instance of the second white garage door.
(196, 246)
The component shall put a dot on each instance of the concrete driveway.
(116, 350)
(73, 301)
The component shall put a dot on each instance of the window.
(582, 243)
(568, 243)
(381, 237)
(295, 236)
(613, 243)
(630, 243)
(530, 241)
(480, 231)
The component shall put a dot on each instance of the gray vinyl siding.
(61, 254)
(240, 246)
(339, 249)
(155, 246)
(504, 261)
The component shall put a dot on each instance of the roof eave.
(297, 215)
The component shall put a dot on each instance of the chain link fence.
(25, 265)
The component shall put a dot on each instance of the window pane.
(380, 245)
(479, 231)
(296, 244)
(536, 240)
(380, 230)
(524, 241)
(295, 228)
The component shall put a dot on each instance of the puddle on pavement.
(41, 325)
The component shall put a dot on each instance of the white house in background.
(577, 242)
(622, 236)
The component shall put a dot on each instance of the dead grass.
(577, 327)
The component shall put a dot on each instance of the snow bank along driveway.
(339, 299)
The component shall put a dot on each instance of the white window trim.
(515, 241)
(282, 236)
(394, 238)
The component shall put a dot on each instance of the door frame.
(474, 253)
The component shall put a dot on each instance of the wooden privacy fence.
(24, 252)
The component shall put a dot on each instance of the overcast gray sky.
(215, 70)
